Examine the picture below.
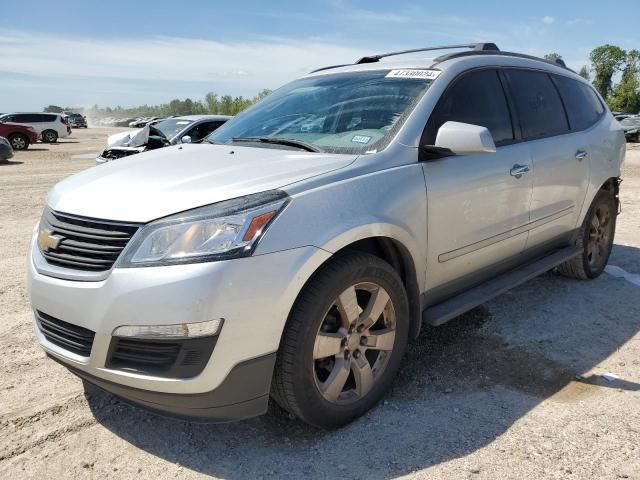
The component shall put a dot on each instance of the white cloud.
(580, 21)
(242, 66)
(548, 20)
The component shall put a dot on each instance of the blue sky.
(130, 53)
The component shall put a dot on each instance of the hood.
(169, 180)
(134, 138)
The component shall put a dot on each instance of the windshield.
(171, 126)
(353, 112)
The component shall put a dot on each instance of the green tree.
(606, 60)
(625, 96)
(552, 57)
(53, 109)
(584, 73)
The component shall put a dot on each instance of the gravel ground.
(512, 389)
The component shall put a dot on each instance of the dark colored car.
(20, 136)
(631, 127)
(76, 120)
(6, 152)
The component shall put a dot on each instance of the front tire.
(19, 141)
(596, 239)
(49, 136)
(343, 342)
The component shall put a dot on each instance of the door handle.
(517, 170)
(581, 155)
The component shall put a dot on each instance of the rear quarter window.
(538, 104)
(583, 105)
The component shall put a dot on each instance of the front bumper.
(243, 394)
(253, 295)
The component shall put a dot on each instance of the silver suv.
(297, 251)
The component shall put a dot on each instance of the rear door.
(478, 211)
(560, 156)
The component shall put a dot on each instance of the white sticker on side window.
(419, 74)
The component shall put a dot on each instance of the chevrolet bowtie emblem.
(48, 241)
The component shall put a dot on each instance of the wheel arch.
(392, 251)
(612, 185)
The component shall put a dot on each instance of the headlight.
(224, 230)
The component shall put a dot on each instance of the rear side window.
(538, 104)
(476, 98)
(21, 118)
(583, 105)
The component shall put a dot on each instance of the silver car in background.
(297, 250)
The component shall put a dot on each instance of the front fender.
(390, 203)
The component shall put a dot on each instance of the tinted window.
(582, 104)
(203, 129)
(538, 104)
(21, 118)
(476, 98)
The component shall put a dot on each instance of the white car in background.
(49, 126)
(171, 131)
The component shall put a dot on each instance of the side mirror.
(186, 139)
(464, 139)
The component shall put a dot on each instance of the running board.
(449, 309)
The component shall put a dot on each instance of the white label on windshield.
(419, 74)
(183, 123)
(361, 139)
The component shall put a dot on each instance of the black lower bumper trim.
(243, 394)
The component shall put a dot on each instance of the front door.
(478, 205)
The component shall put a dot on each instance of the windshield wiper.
(279, 141)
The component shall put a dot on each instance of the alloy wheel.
(18, 143)
(354, 343)
(599, 236)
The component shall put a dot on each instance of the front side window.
(203, 129)
(476, 98)
(354, 112)
(538, 104)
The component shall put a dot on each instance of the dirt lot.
(513, 389)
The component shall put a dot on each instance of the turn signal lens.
(180, 330)
(255, 227)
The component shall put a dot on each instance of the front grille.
(84, 243)
(181, 358)
(115, 153)
(65, 335)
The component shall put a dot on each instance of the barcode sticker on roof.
(419, 74)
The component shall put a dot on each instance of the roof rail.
(476, 47)
(558, 62)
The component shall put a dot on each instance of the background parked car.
(76, 120)
(6, 152)
(49, 126)
(141, 122)
(170, 131)
(631, 127)
(19, 135)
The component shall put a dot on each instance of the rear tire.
(596, 239)
(49, 136)
(343, 342)
(19, 141)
